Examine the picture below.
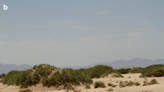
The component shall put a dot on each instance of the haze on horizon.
(76, 33)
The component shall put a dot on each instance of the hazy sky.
(80, 32)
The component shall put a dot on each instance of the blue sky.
(71, 32)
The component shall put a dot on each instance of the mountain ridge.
(116, 64)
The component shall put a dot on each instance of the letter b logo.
(5, 7)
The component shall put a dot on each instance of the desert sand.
(133, 77)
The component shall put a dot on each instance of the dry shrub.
(113, 85)
(87, 86)
(122, 85)
(121, 82)
(137, 83)
(153, 81)
(125, 81)
(27, 90)
(77, 90)
(110, 89)
(130, 83)
(110, 84)
(99, 84)
(145, 83)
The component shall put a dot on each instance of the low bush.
(99, 84)
(130, 83)
(87, 86)
(153, 70)
(123, 71)
(110, 84)
(27, 90)
(137, 83)
(100, 71)
(153, 81)
(122, 85)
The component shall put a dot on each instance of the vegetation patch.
(123, 71)
(47, 75)
(100, 71)
(153, 71)
(136, 70)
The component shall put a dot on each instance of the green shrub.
(136, 70)
(99, 71)
(45, 73)
(123, 71)
(153, 70)
(99, 84)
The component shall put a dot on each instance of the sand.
(133, 77)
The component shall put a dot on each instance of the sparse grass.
(99, 84)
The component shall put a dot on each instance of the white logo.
(5, 7)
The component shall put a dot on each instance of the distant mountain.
(8, 67)
(136, 62)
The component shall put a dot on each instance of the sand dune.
(133, 77)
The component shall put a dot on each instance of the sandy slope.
(134, 77)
